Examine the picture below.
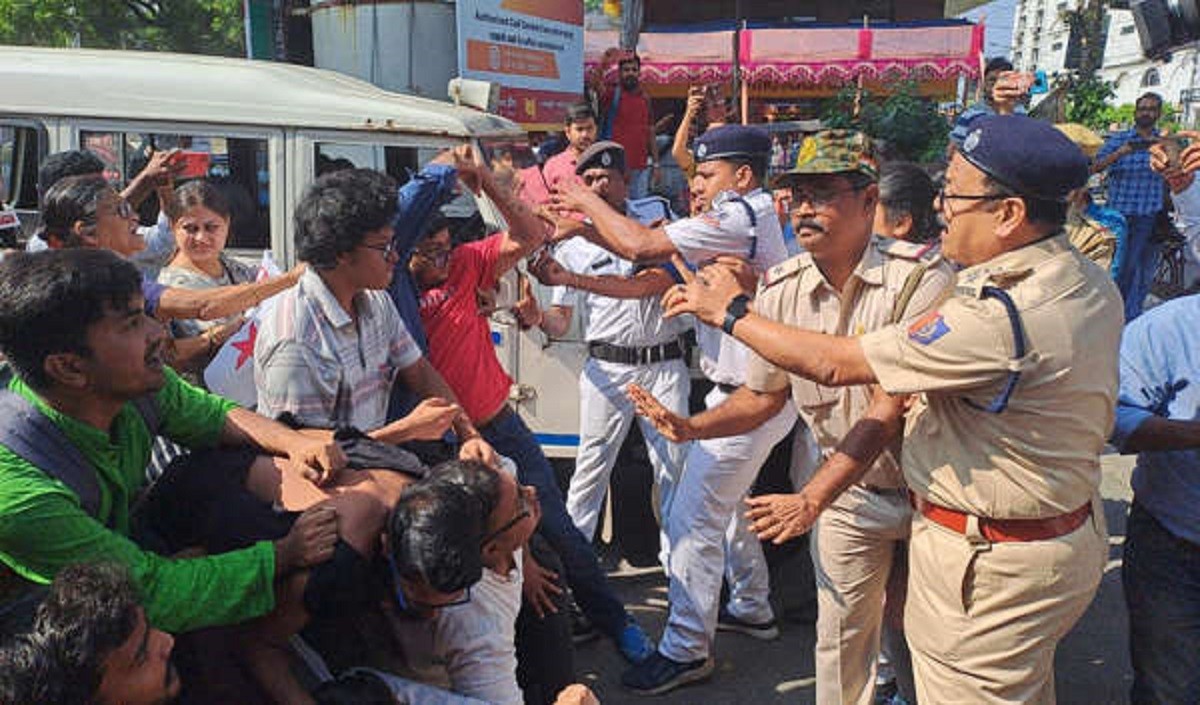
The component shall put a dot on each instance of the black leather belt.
(636, 356)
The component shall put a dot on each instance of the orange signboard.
(505, 58)
(565, 11)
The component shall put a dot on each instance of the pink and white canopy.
(827, 56)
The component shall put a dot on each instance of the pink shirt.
(460, 340)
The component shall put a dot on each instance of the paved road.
(1092, 665)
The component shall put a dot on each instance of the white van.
(267, 128)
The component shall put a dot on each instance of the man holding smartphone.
(1137, 192)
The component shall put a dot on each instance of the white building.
(1132, 74)
(1041, 38)
(1041, 35)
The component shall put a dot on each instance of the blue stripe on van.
(557, 439)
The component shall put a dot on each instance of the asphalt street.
(1092, 665)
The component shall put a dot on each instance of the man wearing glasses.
(1014, 378)
(473, 638)
(847, 281)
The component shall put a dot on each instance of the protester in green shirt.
(73, 329)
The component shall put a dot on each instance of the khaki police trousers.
(853, 545)
(983, 619)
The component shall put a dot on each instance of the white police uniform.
(705, 525)
(629, 341)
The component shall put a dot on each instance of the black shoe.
(726, 622)
(659, 674)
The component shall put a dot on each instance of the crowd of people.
(383, 527)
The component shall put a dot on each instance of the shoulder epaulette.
(786, 269)
(927, 252)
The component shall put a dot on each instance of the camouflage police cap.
(834, 152)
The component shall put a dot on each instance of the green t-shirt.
(43, 527)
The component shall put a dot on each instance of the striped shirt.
(311, 358)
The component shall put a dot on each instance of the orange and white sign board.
(532, 48)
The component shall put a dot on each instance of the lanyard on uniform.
(753, 224)
(1000, 403)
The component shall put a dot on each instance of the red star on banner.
(245, 347)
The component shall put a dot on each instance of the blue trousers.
(1141, 260)
(1161, 575)
(509, 435)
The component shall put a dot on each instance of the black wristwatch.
(735, 311)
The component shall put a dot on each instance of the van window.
(237, 165)
(397, 162)
(19, 156)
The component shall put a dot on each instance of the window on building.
(1128, 29)
(1150, 78)
(237, 165)
(1060, 7)
(1056, 46)
(1033, 57)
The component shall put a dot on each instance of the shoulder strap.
(147, 406)
(911, 282)
(33, 436)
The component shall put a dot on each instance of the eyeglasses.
(818, 196)
(123, 209)
(387, 249)
(438, 257)
(943, 197)
(523, 512)
(409, 605)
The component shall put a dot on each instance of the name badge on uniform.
(928, 328)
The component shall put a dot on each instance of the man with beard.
(847, 281)
(627, 119)
(1137, 191)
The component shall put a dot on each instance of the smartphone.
(1040, 84)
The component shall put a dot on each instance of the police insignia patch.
(971, 142)
(928, 328)
(606, 159)
(701, 151)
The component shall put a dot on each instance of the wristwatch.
(735, 311)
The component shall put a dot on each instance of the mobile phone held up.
(1040, 84)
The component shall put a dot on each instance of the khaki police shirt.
(1039, 457)
(797, 294)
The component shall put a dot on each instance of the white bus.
(267, 128)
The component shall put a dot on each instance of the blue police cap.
(732, 142)
(604, 154)
(1026, 155)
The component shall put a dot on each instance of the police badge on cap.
(737, 142)
(601, 155)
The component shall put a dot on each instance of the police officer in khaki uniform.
(1015, 380)
(846, 282)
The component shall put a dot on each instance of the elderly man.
(847, 281)
(1002, 443)
(742, 225)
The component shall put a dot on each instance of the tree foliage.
(910, 125)
(191, 26)
(1087, 101)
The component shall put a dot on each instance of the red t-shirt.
(631, 126)
(460, 340)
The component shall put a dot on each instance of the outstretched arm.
(742, 412)
(611, 230)
(781, 517)
(830, 360)
(526, 231)
(210, 304)
(646, 282)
